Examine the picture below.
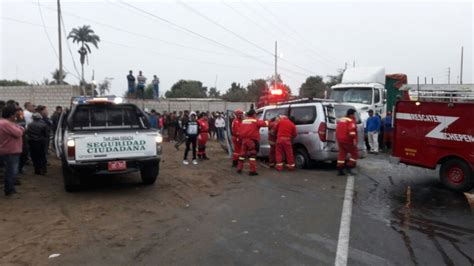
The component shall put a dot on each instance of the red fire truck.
(428, 133)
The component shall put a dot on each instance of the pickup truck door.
(58, 136)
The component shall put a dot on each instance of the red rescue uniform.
(272, 142)
(236, 140)
(346, 135)
(285, 132)
(250, 135)
(203, 137)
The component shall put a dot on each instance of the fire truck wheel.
(456, 174)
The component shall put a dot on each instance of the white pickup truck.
(100, 136)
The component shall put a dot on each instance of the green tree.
(214, 93)
(255, 89)
(187, 89)
(336, 79)
(149, 91)
(84, 36)
(55, 75)
(236, 93)
(104, 87)
(313, 87)
(7, 83)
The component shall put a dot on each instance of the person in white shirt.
(28, 112)
(220, 126)
(141, 79)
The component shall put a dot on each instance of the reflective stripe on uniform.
(242, 158)
(338, 161)
(352, 133)
(253, 159)
(354, 160)
(280, 164)
(291, 165)
(249, 120)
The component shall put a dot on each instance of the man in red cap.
(236, 140)
(285, 131)
(250, 135)
(346, 136)
(203, 135)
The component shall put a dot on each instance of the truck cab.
(103, 136)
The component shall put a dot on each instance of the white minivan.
(315, 121)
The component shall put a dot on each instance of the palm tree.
(84, 36)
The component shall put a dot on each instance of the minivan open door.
(330, 114)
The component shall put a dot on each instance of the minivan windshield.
(352, 95)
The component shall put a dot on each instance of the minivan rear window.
(303, 115)
(272, 113)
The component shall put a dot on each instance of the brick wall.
(52, 96)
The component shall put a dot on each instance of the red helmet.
(239, 112)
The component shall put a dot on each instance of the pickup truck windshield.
(352, 95)
(106, 117)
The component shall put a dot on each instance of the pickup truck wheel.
(72, 182)
(301, 158)
(149, 173)
(456, 174)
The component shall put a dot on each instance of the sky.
(220, 42)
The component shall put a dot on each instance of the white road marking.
(342, 251)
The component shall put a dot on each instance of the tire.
(72, 182)
(149, 173)
(302, 160)
(456, 175)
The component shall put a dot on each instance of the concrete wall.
(52, 96)
(171, 106)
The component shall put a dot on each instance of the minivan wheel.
(457, 175)
(301, 158)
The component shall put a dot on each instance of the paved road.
(209, 215)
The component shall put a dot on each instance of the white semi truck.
(368, 88)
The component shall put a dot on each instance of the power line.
(295, 33)
(238, 35)
(201, 36)
(47, 34)
(69, 48)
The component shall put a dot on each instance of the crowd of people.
(25, 136)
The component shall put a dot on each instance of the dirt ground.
(114, 211)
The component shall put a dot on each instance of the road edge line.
(342, 251)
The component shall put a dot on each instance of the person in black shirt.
(38, 137)
(191, 131)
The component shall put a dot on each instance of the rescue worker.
(236, 140)
(346, 135)
(191, 132)
(272, 141)
(250, 135)
(203, 135)
(285, 131)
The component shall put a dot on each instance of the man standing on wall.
(141, 79)
(131, 83)
(156, 87)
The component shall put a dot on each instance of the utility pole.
(425, 80)
(449, 75)
(354, 63)
(462, 55)
(276, 64)
(432, 80)
(60, 45)
(345, 65)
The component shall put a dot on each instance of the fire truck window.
(271, 113)
(376, 95)
(303, 115)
